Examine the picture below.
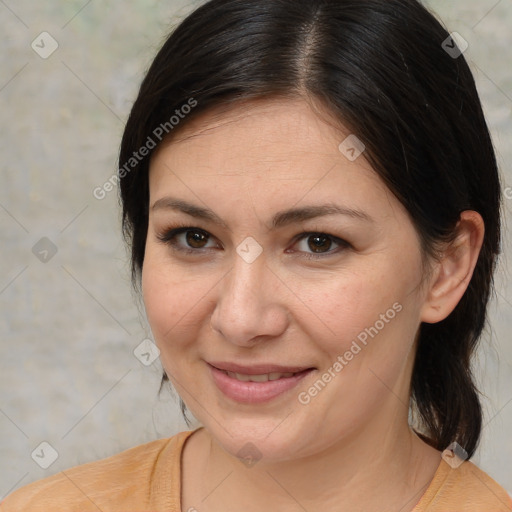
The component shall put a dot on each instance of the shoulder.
(129, 477)
(464, 488)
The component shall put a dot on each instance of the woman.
(312, 203)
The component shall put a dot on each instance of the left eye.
(320, 243)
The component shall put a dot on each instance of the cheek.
(172, 302)
(372, 318)
(348, 308)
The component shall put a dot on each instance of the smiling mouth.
(256, 384)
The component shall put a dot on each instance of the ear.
(453, 272)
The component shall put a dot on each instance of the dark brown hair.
(384, 69)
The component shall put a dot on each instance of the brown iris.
(320, 242)
(196, 237)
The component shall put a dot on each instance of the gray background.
(69, 325)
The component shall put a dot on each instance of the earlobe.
(455, 269)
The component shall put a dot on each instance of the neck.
(375, 469)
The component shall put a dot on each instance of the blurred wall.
(72, 371)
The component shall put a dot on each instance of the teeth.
(275, 376)
(259, 378)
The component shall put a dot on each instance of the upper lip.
(257, 369)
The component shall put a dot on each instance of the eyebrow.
(280, 219)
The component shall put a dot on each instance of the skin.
(350, 448)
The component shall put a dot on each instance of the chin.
(262, 438)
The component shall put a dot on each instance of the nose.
(250, 305)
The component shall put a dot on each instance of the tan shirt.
(147, 478)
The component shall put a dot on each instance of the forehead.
(281, 135)
(273, 152)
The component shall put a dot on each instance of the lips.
(256, 383)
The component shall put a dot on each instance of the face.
(248, 275)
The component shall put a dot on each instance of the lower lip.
(255, 392)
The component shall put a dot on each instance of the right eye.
(192, 239)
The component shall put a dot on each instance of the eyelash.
(169, 235)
